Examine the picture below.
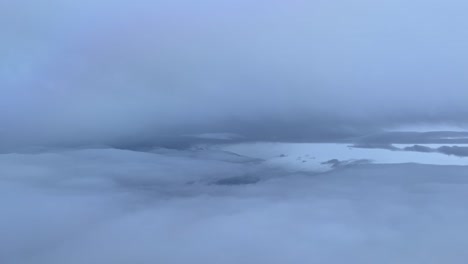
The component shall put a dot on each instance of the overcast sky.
(85, 83)
(111, 72)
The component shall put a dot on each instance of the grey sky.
(85, 83)
(145, 71)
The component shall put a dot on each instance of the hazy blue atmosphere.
(248, 131)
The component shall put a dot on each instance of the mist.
(248, 131)
(145, 72)
(167, 206)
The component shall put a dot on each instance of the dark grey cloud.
(438, 137)
(375, 146)
(459, 151)
(454, 150)
(447, 150)
(419, 148)
(335, 163)
(151, 72)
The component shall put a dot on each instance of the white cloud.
(114, 206)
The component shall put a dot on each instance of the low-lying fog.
(208, 205)
(128, 132)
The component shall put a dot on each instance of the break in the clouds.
(138, 72)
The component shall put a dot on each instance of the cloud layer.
(116, 206)
(150, 72)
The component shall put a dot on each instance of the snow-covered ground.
(243, 203)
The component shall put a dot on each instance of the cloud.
(419, 148)
(149, 72)
(454, 150)
(117, 206)
(435, 137)
(366, 145)
(459, 151)
(447, 150)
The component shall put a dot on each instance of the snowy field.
(244, 203)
